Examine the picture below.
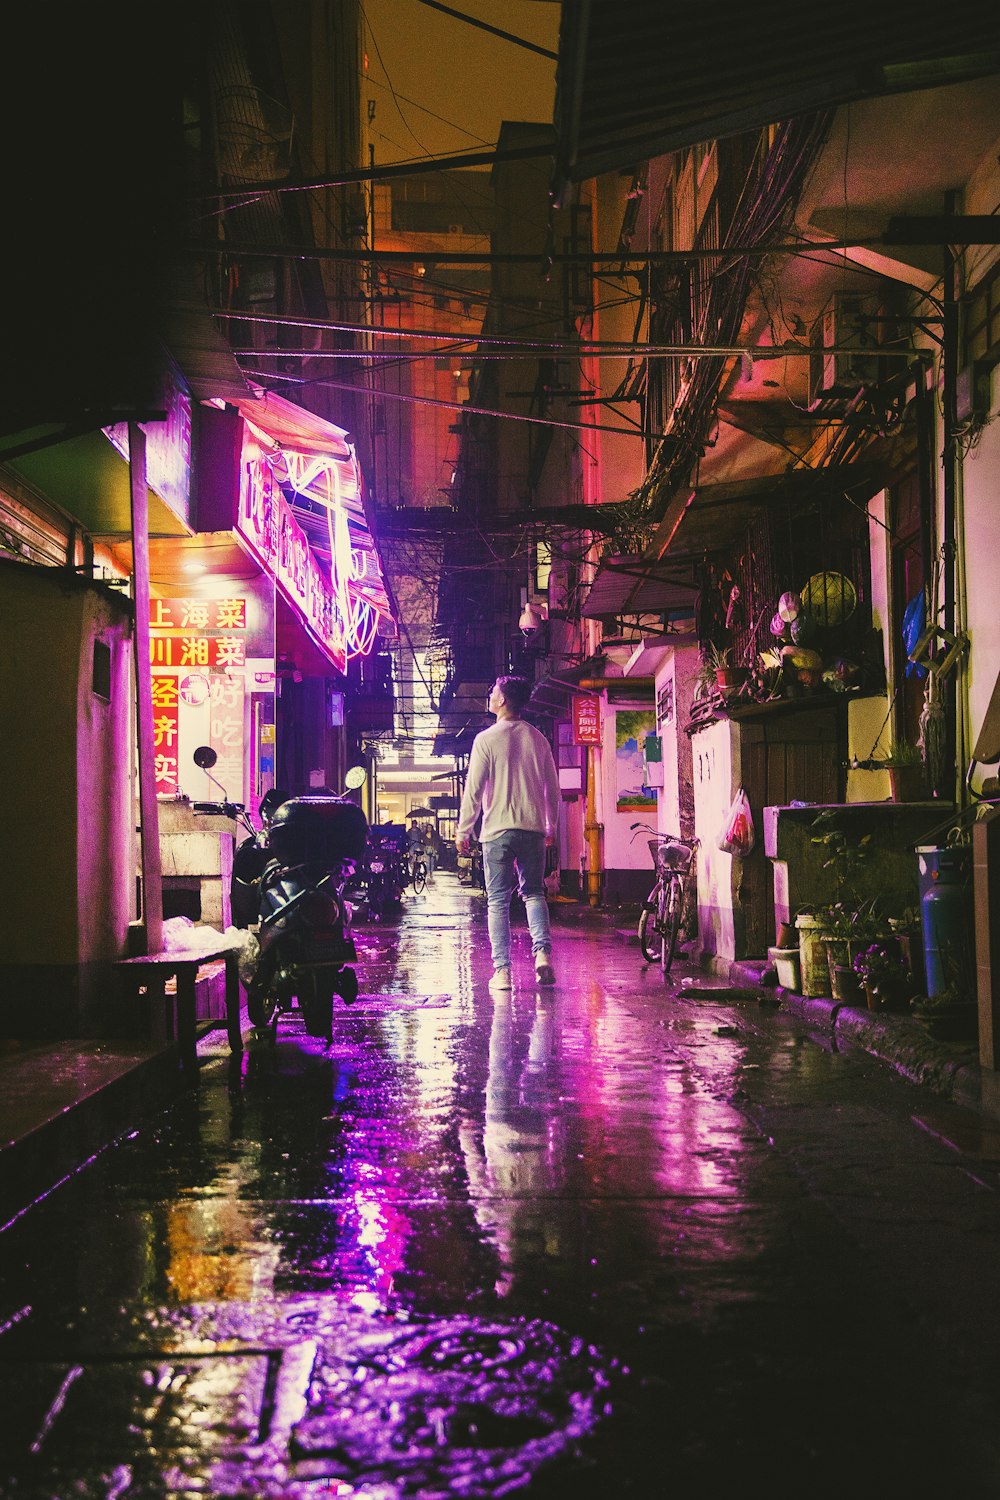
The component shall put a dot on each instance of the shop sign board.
(197, 650)
(168, 445)
(216, 652)
(198, 614)
(586, 721)
(267, 525)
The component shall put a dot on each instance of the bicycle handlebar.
(674, 838)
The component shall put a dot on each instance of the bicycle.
(417, 872)
(663, 909)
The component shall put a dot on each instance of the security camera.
(531, 621)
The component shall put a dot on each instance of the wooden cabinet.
(789, 751)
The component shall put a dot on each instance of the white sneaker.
(500, 981)
(544, 973)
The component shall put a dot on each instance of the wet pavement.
(603, 1239)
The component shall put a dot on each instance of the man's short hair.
(516, 691)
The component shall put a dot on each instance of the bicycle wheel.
(670, 921)
(650, 939)
(419, 875)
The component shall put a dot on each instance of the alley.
(604, 1239)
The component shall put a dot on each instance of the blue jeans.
(515, 857)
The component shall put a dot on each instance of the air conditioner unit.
(845, 340)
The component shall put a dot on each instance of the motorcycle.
(288, 890)
(380, 878)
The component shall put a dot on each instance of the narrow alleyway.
(608, 1239)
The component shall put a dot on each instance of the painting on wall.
(631, 728)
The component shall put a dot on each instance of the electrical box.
(845, 340)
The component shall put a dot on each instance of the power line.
(538, 258)
(376, 174)
(463, 406)
(507, 36)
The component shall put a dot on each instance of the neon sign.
(266, 523)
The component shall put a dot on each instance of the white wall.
(715, 770)
(981, 527)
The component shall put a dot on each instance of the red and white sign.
(212, 651)
(198, 614)
(267, 525)
(165, 732)
(586, 721)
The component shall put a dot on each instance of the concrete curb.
(899, 1041)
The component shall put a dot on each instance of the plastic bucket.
(786, 964)
(812, 956)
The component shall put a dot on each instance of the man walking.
(512, 780)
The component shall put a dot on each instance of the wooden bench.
(175, 1019)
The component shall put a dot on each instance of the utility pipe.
(593, 831)
(949, 465)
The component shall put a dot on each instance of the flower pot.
(845, 985)
(786, 963)
(730, 678)
(812, 955)
(906, 783)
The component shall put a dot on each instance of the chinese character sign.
(197, 653)
(165, 733)
(177, 651)
(198, 614)
(586, 721)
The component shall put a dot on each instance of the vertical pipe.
(593, 831)
(149, 814)
(949, 460)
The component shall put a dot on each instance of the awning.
(624, 585)
(636, 81)
(711, 518)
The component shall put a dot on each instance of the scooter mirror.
(355, 777)
(205, 757)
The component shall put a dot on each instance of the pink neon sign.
(267, 525)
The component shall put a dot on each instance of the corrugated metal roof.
(640, 79)
(624, 584)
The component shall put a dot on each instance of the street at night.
(604, 1238)
(500, 703)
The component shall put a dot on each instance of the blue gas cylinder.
(944, 875)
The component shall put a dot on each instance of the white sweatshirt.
(513, 778)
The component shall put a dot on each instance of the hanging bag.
(736, 835)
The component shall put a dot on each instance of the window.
(982, 321)
(543, 566)
(101, 672)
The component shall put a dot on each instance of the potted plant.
(905, 766)
(704, 682)
(844, 856)
(727, 676)
(881, 970)
(908, 932)
(850, 930)
(951, 1016)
